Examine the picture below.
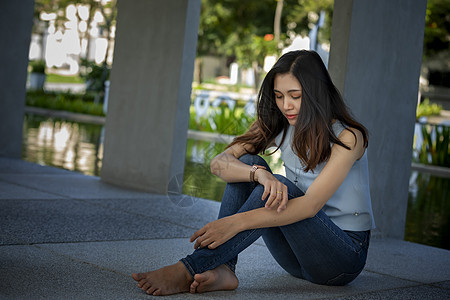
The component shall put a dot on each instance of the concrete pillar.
(375, 59)
(149, 100)
(16, 19)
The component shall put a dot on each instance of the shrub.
(428, 109)
(222, 120)
(37, 66)
(77, 103)
(435, 149)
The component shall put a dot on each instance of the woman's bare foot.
(218, 279)
(169, 280)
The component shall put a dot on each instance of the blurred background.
(72, 52)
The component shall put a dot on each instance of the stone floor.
(64, 235)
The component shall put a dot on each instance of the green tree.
(227, 27)
(301, 15)
(238, 30)
(244, 30)
(437, 27)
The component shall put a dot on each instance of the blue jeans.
(314, 249)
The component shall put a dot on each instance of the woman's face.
(288, 96)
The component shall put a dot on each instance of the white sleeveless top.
(350, 207)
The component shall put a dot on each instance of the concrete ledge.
(433, 170)
(83, 118)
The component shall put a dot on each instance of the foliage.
(428, 109)
(437, 27)
(94, 75)
(222, 120)
(302, 14)
(436, 147)
(37, 66)
(243, 31)
(223, 21)
(253, 48)
(77, 103)
(229, 27)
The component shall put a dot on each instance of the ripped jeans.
(314, 249)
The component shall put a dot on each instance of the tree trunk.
(256, 74)
(108, 21)
(199, 67)
(87, 34)
(277, 20)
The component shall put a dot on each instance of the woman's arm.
(323, 187)
(227, 166)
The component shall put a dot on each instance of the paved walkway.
(64, 235)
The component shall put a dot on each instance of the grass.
(56, 78)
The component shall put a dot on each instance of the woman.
(316, 221)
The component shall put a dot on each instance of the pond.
(79, 147)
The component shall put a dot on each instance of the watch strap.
(253, 170)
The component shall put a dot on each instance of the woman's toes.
(201, 277)
(146, 286)
(141, 283)
(193, 287)
(157, 292)
(136, 276)
(151, 290)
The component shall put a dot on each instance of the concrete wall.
(375, 59)
(151, 78)
(212, 67)
(16, 19)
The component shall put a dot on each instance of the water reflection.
(427, 220)
(63, 144)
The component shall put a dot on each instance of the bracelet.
(253, 170)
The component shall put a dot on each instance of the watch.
(253, 170)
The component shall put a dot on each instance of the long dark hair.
(321, 105)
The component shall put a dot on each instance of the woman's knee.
(281, 178)
(293, 190)
(251, 160)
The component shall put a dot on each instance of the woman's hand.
(275, 191)
(215, 233)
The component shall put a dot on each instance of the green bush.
(222, 120)
(94, 75)
(77, 103)
(37, 66)
(428, 109)
(436, 145)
